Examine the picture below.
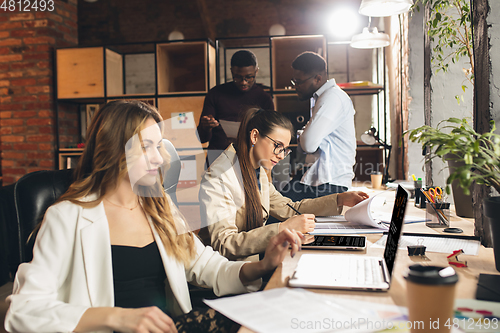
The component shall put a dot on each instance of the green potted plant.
(455, 140)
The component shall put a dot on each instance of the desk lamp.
(370, 137)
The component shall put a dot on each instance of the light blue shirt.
(329, 138)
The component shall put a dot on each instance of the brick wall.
(27, 112)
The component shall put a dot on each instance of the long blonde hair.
(103, 165)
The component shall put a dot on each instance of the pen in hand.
(296, 211)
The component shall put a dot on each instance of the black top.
(138, 276)
(227, 102)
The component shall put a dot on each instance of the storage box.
(80, 72)
(185, 67)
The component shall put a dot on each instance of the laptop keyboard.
(356, 269)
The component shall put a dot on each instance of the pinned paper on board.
(182, 120)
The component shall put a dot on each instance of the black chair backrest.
(8, 253)
(33, 194)
(23, 206)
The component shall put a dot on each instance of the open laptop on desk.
(354, 272)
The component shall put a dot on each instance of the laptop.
(354, 271)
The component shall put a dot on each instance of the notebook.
(351, 271)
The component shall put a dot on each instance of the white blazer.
(71, 271)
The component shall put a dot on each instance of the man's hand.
(208, 122)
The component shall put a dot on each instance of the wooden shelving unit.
(284, 50)
(68, 157)
(177, 76)
(185, 67)
(176, 79)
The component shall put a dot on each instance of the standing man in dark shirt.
(229, 101)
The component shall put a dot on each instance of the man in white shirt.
(328, 138)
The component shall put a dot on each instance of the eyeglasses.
(278, 148)
(296, 82)
(239, 78)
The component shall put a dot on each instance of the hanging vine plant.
(450, 30)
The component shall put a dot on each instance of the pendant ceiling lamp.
(381, 8)
(370, 38)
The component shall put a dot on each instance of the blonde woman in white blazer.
(236, 197)
(116, 203)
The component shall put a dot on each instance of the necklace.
(123, 206)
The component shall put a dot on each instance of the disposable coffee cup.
(376, 180)
(430, 295)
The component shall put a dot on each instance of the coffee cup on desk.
(376, 178)
(430, 296)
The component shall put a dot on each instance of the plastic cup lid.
(431, 275)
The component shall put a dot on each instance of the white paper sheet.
(386, 218)
(435, 244)
(182, 120)
(342, 228)
(230, 128)
(297, 310)
(362, 212)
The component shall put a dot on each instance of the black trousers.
(297, 191)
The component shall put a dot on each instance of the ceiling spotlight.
(176, 35)
(277, 30)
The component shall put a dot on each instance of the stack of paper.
(297, 310)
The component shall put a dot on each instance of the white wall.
(445, 86)
(416, 76)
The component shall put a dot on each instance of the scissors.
(436, 193)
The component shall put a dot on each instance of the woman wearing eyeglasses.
(237, 198)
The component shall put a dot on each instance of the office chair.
(171, 175)
(6, 214)
(23, 205)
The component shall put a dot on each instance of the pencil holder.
(438, 215)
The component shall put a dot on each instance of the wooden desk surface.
(466, 288)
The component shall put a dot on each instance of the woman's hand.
(142, 320)
(351, 198)
(277, 249)
(303, 223)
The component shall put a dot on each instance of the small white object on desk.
(409, 185)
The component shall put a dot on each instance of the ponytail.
(265, 122)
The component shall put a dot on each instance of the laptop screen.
(394, 233)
